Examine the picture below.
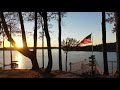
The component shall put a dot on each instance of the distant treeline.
(7, 48)
(111, 47)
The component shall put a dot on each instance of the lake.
(73, 56)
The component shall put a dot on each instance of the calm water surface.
(73, 56)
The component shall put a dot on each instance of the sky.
(76, 25)
(81, 24)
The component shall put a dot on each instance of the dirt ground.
(27, 73)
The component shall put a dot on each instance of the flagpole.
(92, 62)
(92, 43)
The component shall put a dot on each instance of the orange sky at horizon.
(30, 43)
(75, 25)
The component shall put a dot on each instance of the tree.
(29, 16)
(117, 29)
(50, 16)
(3, 34)
(15, 30)
(42, 33)
(42, 20)
(35, 35)
(45, 19)
(115, 18)
(60, 56)
(25, 51)
(104, 44)
(53, 15)
(67, 45)
(111, 19)
(58, 16)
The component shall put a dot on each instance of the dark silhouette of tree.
(41, 21)
(35, 35)
(104, 44)
(42, 33)
(25, 51)
(40, 24)
(111, 19)
(33, 58)
(67, 45)
(45, 19)
(60, 56)
(53, 15)
(60, 15)
(117, 29)
(12, 18)
(115, 18)
(3, 34)
(23, 31)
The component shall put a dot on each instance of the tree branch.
(6, 30)
(24, 51)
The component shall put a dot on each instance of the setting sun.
(19, 44)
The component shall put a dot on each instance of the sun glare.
(19, 58)
(19, 44)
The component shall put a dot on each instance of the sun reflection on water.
(20, 61)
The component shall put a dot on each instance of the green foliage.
(69, 43)
(12, 21)
(111, 19)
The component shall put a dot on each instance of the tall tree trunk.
(35, 65)
(42, 46)
(117, 21)
(23, 30)
(34, 57)
(35, 35)
(11, 51)
(104, 44)
(25, 51)
(60, 56)
(49, 67)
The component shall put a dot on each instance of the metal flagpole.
(92, 43)
(92, 62)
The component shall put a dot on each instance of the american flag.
(86, 40)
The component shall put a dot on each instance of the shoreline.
(7, 49)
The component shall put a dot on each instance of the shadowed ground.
(27, 73)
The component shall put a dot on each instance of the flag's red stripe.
(86, 41)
